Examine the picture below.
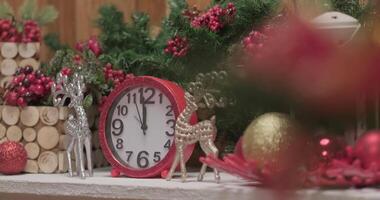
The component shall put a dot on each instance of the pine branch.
(46, 15)
(6, 11)
(28, 9)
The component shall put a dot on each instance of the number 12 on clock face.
(140, 127)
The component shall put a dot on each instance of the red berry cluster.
(254, 41)
(177, 46)
(32, 32)
(92, 44)
(215, 18)
(27, 86)
(8, 31)
(66, 71)
(114, 76)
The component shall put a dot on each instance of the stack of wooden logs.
(40, 130)
(15, 55)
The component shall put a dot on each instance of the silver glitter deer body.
(187, 134)
(200, 95)
(76, 126)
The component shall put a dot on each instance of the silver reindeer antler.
(203, 89)
(77, 125)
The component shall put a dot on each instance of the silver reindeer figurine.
(204, 131)
(77, 125)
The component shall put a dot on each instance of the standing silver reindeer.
(204, 131)
(77, 125)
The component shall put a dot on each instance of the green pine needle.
(46, 15)
(28, 9)
(6, 11)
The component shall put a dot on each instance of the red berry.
(21, 102)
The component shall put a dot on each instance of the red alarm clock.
(136, 126)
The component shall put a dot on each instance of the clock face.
(140, 127)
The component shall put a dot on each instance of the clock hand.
(138, 112)
(144, 113)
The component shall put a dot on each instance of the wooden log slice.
(8, 67)
(3, 140)
(62, 162)
(1, 109)
(48, 137)
(27, 50)
(49, 115)
(29, 134)
(29, 116)
(10, 115)
(14, 133)
(3, 131)
(32, 150)
(48, 162)
(64, 141)
(31, 167)
(30, 62)
(9, 49)
(63, 113)
(5, 81)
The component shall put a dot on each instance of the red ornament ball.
(13, 158)
(367, 149)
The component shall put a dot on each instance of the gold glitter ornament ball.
(274, 140)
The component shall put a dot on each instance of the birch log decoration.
(10, 115)
(62, 162)
(14, 133)
(3, 131)
(29, 116)
(49, 115)
(48, 137)
(30, 62)
(48, 162)
(8, 67)
(9, 50)
(31, 167)
(5, 81)
(28, 50)
(32, 150)
(29, 134)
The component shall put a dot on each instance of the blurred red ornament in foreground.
(358, 167)
(367, 149)
(311, 68)
(13, 158)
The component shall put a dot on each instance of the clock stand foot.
(115, 172)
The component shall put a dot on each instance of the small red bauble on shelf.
(367, 149)
(13, 158)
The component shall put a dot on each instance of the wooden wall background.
(76, 17)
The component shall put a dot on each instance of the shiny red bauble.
(13, 158)
(367, 149)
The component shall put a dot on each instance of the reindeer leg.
(182, 162)
(174, 165)
(88, 154)
(81, 158)
(76, 154)
(68, 153)
(206, 150)
(215, 152)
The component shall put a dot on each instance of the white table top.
(104, 186)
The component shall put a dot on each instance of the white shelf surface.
(104, 186)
